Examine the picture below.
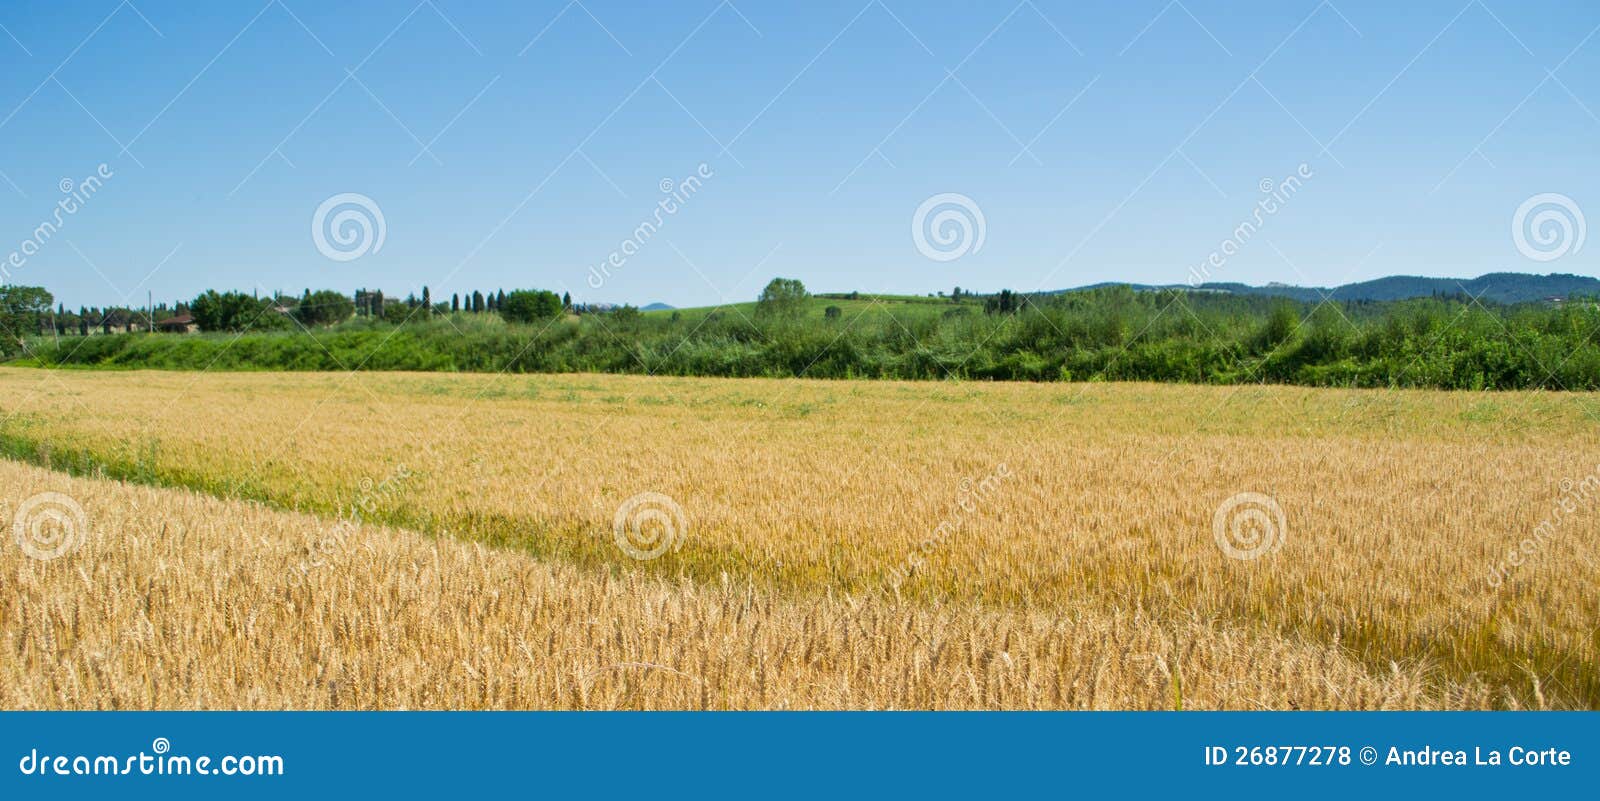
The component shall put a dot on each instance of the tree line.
(235, 311)
(1104, 333)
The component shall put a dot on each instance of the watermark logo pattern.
(1249, 525)
(948, 226)
(348, 226)
(1548, 226)
(50, 525)
(648, 525)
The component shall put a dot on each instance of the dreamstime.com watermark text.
(75, 195)
(676, 194)
(1577, 498)
(158, 761)
(967, 503)
(322, 552)
(1275, 195)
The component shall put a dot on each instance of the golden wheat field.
(438, 541)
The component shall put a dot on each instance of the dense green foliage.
(1110, 333)
(21, 310)
(324, 307)
(234, 312)
(782, 299)
(530, 306)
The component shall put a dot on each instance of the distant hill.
(657, 307)
(1497, 287)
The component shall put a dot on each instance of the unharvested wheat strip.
(181, 600)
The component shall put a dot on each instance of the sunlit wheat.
(1090, 576)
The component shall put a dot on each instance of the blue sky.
(520, 144)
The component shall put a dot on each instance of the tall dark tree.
(1004, 303)
(455, 301)
(566, 300)
(477, 302)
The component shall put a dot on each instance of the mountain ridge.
(1502, 287)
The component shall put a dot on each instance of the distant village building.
(182, 324)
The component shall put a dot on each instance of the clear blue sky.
(518, 144)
